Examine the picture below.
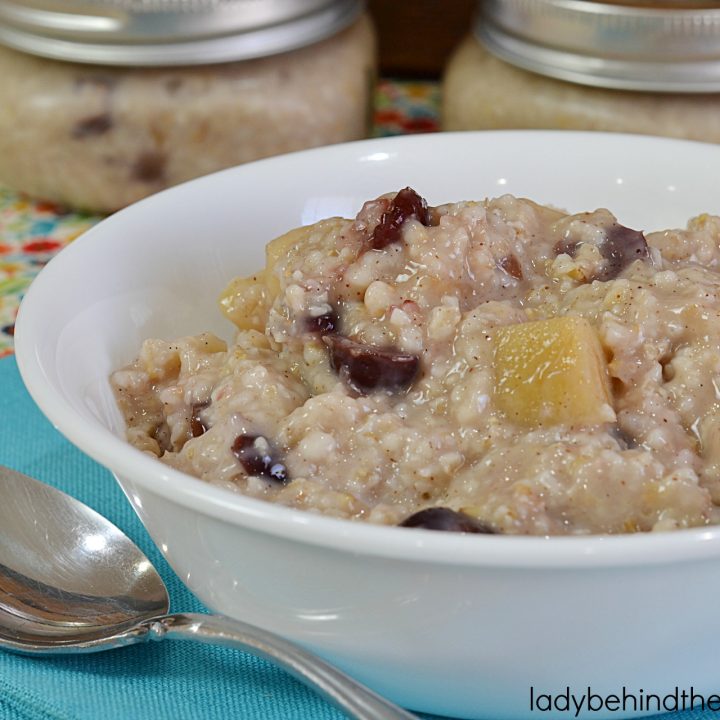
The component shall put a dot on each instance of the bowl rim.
(360, 539)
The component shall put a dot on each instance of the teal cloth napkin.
(173, 680)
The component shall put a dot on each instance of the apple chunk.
(552, 372)
(247, 301)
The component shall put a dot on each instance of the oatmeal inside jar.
(483, 367)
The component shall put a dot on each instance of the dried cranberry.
(197, 425)
(254, 454)
(367, 367)
(511, 266)
(92, 126)
(621, 247)
(149, 167)
(326, 323)
(407, 203)
(442, 518)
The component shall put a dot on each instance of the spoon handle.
(354, 699)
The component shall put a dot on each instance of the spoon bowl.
(70, 581)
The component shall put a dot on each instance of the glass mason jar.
(625, 65)
(114, 100)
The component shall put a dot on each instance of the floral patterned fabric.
(402, 108)
(32, 232)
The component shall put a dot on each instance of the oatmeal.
(98, 137)
(486, 367)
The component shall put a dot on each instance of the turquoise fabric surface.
(173, 680)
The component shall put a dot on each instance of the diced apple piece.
(281, 246)
(246, 302)
(286, 245)
(552, 372)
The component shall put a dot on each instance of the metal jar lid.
(169, 32)
(671, 46)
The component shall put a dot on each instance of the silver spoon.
(71, 582)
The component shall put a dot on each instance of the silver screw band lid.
(658, 46)
(169, 32)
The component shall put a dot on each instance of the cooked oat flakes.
(513, 368)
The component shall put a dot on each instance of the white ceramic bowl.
(444, 623)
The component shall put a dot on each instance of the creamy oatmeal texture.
(481, 92)
(491, 366)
